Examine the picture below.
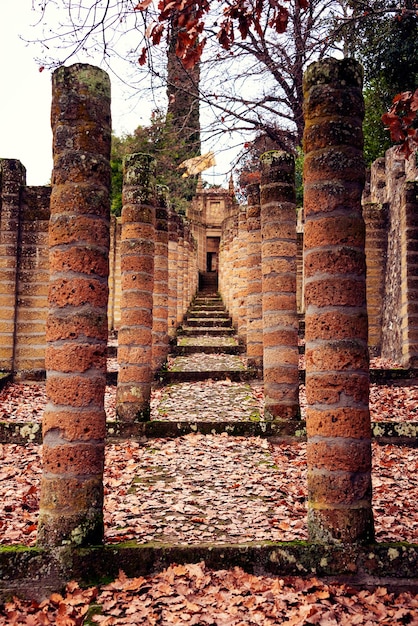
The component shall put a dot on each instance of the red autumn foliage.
(186, 17)
(401, 121)
(194, 594)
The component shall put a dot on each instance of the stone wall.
(24, 216)
(390, 208)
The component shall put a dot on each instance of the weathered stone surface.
(72, 484)
(137, 283)
(336, 353)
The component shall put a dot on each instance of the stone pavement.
(207, 344)
(209, 487)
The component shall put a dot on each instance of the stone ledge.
(171, 376)
(402, 376)
(383, 377)
(35, 573)
(400, 433)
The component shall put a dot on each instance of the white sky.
(25, 100)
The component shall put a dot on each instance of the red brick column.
(337, 377)
(234, 310)
(191, 267)
(254, 295)
(242, 274)
(137, 278)
(225, 277)
(278, 266)
(186, 269)
(409, 287)
(12, 180)
(376, 220)
(194, 270)
(221, 264)
(74, 419)
(172, 272)
(160, 299)
(180, 271)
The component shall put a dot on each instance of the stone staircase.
(207, 335)
(207, 328)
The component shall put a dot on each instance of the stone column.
(242, 275)
(137, 278)
(278, 266)
(74, 423)
(254, 297)
(160, 298)
(221, 262)
(337, 377)
(196, 268)
(376, 220)
(192, 268)
(186, 269)
(12, 180)
(32, 283)
(234, 311)
(172, 273)
(180, 270)
(112, 274)
(409, 287)
(225, 262)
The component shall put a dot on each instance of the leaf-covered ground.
(200, 362)
(207, 400)
(195, 595)
(215, 401)
(214, 488)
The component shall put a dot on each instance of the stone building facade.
(206, 214)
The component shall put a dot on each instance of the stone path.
(215, 487)
(202, 489)
(197, 396)
(214, 401)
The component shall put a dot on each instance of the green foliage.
(249, 167)
(299, 177)
(117, 181)
(161, 140)
(376, 137)
(383, 37)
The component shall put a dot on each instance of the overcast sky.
(25, 132)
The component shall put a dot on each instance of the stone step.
(377, 376)
(199, 313)
(112, 351)
(213, 349)
(21, 433)
(207, 302)
(209, 321)
(208, 307)
(192, 331)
